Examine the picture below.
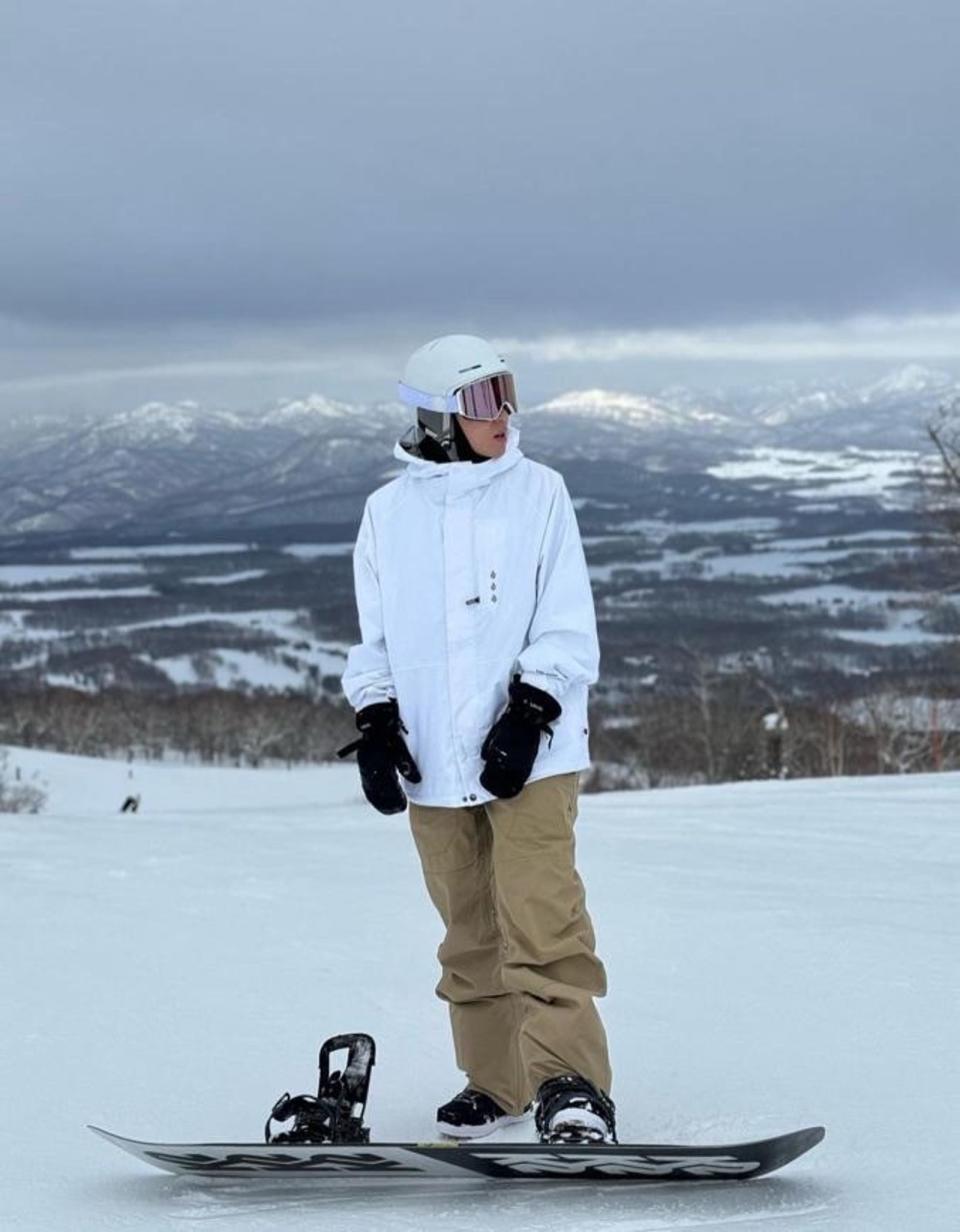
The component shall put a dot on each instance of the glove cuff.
(379, 717)
(535, 705)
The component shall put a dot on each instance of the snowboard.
(459, 1160)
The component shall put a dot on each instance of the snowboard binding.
(335, 1113)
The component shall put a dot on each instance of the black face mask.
(465, 451)
(429, 448)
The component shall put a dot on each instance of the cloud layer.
(192, 186)
(873, 337)
(648, 163)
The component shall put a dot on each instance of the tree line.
(722, 727)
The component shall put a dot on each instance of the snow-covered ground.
(21, 575)
(779, 955)
(828, 474)
(156, 549)
(280, 667)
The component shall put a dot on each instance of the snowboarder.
(478, 645)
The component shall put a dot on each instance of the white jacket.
(465, 573)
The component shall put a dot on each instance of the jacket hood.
(463, 475)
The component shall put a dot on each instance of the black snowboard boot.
(570, 1109)
(471, 1114)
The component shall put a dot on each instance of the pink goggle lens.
(485, 399)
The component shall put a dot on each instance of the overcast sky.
(234, 200)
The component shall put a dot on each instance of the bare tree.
(819, 739)
(944, 432)
(903, 738)
(703, 684)
(16, 794)
(834, 740)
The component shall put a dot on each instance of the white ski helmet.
(458, 374)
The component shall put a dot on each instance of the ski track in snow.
(777, 956)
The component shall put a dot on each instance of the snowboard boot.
(571, 1110)
(472, 1114)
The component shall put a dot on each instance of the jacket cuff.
(539, 680)
(370, 696)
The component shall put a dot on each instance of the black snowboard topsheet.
(458, 1160)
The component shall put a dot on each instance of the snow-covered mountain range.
(308, 459)
(888, 413)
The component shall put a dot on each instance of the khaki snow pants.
(519, 971)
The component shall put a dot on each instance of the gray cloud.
(244, 367)
(513, 167)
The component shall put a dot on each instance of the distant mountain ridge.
(890, 413)
(185, 466)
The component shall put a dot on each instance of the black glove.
(513, 742)
(381, 752)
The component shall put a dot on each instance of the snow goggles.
(483, 399)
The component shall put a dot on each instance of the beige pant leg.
(549, 958)
(455, 846)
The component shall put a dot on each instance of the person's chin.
(492, 449)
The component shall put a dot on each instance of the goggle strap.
(461, 402)
(427, 402)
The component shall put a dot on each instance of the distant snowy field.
(779, 955)
(827, 474)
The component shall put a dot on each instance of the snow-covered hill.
(779, 954)
(176, 466)
(183, 466)
(635, 410)
(891, 412)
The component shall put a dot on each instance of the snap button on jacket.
(466, 573)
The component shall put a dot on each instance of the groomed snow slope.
(779, 955)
